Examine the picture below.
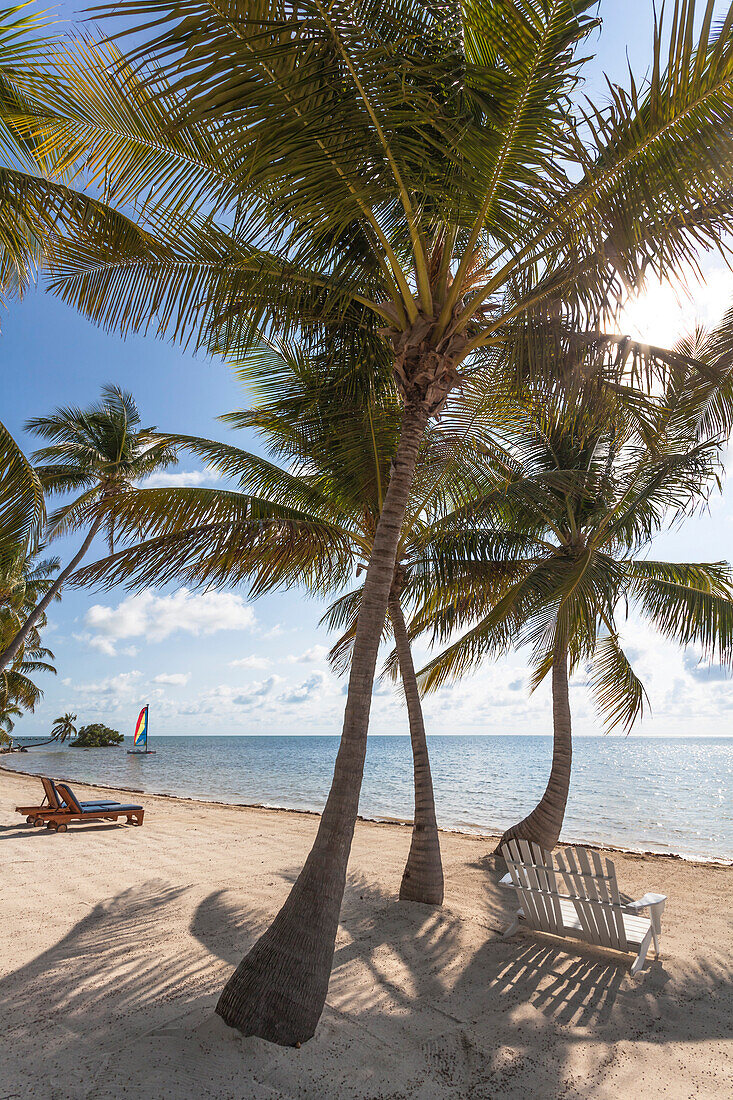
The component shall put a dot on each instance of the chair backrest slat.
(576, 889)
(533, 882)
(553, 887)
(590, 887)
(520, 878)
(50, 792)
(593, 895)
(72, 802)
(611, 910)
(617, 904)
(533, 876)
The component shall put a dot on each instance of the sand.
(115, 942)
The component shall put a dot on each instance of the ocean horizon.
(658, 794)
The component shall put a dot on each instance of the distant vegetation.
(96, 736)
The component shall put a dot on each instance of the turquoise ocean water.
(651, 794)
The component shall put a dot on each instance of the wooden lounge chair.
(73, 810)
(589, 908)
(38, 815)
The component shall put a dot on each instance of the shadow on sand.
(419, 1007)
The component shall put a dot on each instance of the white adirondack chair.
(589, 908)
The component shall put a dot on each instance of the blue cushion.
(112, 807)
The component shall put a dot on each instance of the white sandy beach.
(117, 940)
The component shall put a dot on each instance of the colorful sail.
(140, 739)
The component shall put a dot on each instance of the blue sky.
(214, 664)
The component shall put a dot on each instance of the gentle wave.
(644, 794)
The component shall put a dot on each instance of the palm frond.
(619, 693)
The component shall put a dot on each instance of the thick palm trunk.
(543, 825)
(279, 989)
(422, 879)
(9, 654)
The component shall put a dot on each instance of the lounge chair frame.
(39, 815)
(590, 909)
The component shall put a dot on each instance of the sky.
(212, 663)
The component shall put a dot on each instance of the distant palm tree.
(22, 506)
(24, 581)
(99, 452)
(63, 728)
(8, 714)
(591, 488)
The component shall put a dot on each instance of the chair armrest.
(647, 901)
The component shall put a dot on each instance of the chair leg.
(512, 927)
(641, 957)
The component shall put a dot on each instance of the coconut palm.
(98, 452)
(591, 489)
(37, 204)
(17, 688)
(24, 581)
(420, 171)
(22, 507)
(63, 728)
(8, 715)
(309, 521)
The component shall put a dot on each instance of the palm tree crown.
(97, 453)
(590, 486)
(63, 727)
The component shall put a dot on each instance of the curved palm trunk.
(9, 654)
(543, 825)
(422, 879)
(279, 989)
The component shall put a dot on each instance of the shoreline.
(703, 861)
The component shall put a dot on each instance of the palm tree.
(22, 507)
(17, 689)
(8, 715)
(38, 207)
(309, 521)
(99, 452)
(24, 581)
(63, 728)
(420, 171)
(592, 486)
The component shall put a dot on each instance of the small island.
(97, 736)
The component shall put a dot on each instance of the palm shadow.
(411, 978)
(415, 1007)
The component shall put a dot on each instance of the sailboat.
(140, 740)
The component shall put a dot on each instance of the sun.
(667, 310)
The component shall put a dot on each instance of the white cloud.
(155, 618)
(253, 661)
(121, 684)
(177, 679)
(255, 694)
(181, 478)
(310, 688)
(310, 656)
